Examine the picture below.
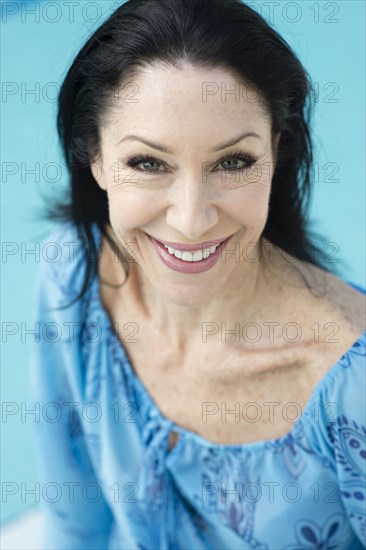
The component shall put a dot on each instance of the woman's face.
(193, 189)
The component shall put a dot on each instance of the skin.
(176, 205)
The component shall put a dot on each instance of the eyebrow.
(169, 151)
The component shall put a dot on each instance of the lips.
(188, 267)
(191, 247)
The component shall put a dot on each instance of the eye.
(143, 159)
(238, 156)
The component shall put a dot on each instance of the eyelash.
(237, 155)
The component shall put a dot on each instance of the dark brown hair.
(207, 34)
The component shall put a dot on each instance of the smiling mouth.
(192, 253)
(192, 256)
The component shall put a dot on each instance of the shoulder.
(341, 310)
(59, 245)
(346, 387)
(320, 300)
(346, 382)
(345, 410)
(322, 294)
(344, 397)
(342, 404)
(349, 301)
(62, 261)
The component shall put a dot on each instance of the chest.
(230, 396)
(230, 393)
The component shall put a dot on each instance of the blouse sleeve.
(347, 433)
(75, 513)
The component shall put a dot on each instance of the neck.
(244, 299)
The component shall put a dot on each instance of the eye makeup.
(239, 155)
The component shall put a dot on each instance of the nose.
(191, 211)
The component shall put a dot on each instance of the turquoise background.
(328, 37)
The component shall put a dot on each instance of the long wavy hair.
(207, 34)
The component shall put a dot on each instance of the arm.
(71, 519)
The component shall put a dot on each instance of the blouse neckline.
(187, 433)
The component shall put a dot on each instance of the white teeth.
(195, 256)
(187, 256)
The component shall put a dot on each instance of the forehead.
(186, 98)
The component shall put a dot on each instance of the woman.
(204, 365)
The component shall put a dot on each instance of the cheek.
(249, 206)
(132, 209)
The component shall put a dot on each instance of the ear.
(98, 174)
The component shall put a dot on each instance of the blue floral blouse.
(108, 479)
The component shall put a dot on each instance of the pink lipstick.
(177, 264)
